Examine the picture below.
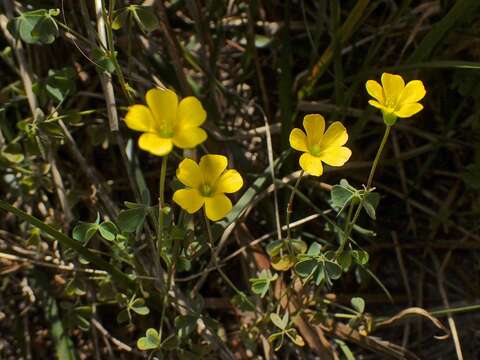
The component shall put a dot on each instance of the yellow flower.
(319, 145)
(207, 183)
(166, 122)
(394, 98)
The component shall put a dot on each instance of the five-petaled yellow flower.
(319, 145)
(394, 98)
(207, 183)
(166, 122)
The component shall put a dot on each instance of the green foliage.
(150, 341)
(322, 267)
(144, 17)
(36, 26)
(261, 284)
(343, 195)
(153, 275)
(283, 324)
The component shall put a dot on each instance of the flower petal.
(139, 118)
(189, 174)
(393, 86)
(155, 144)
(189, 200)
(336, 156)
(314, 124)
(311, 164)
(190, 113)
(376, 104)
(408, 110)
(217, 206)
(298, 140)
(413, 92)
(375, 90)
(163, 104)
(229, 182)
(212, 166)
(187, 138)
(335, 136)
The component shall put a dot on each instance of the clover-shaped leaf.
(361, 257)
(83, 232)
(283, 263)
(35, 27)
(370, 202)
(274, 248)
(150, 341)
(279, 322)
(306, 268)
(261, 284)
(139, 307)
(358, 304)
(108, 230)
(131, 219)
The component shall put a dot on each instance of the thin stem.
(111, 47)
(368, 187)
(171, 272)
(161, 203)
(217, 267)
(290, 203)
(377, 157)
(347, 224)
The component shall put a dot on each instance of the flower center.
(165, 132)
(315, 149)
(206, 190)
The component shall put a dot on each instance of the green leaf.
(314, 249)
(278, 321)
(185, 324)
(121, 279)
(345, 349)
(103, 61)
(262, 41)
(46, 30)
(320, 275)
(139, 307)
(361, 257)
(306, 268)
(345, 260)
(341, 196)
(120, 18)
(333, 270)
(108, 230)
(260, 286)
(60, 83)
(130, 220)
(299, 246)
(370, 202)
(273, 248)
(150, 341)
(83, 232)
(358, 304)
(35, 27)
(123, 316)
(145, 17)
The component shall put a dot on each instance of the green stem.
(217, 267)
(377, 157)
(161, 203)
(111, 48)
(368, 187)
(347, 224)
(171, 272)
(290, 204)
